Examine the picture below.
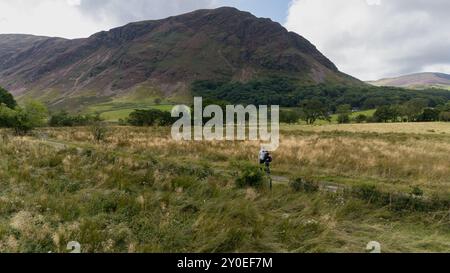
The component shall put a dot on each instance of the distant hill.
(417, 81)
(159, 59)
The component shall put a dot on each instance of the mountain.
(417, 81)
(159, 59)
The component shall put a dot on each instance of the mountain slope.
(159, 59)
(417, 81)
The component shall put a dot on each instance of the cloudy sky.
(369, 39)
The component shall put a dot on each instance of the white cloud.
(121, 12)
(46, 17)
(74, 2)
(371, 39)
(81, 18)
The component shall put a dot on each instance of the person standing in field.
(265, 158)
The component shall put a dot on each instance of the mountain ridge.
(419, 81)
(162, 57)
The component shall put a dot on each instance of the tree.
(7, 116)
(36, 113)
(344, 109)
(361, 118)
(150, 118)
(7, 99)
(64, 119)
(343, 118)
(289, 116)
(444, 116)
(386, 114)
(314, 109)
(429, 114)
(33, 114)
(444, 107)
(344, 112)
(413, 108)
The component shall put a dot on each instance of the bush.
(343, 119)
(289, 116)
(367, 192)
(417, 191)
(304, 185)
(251, 176)
(150, 118)
(444, 116)
(361, 118)
(99, 131)
(63, 119)
(25, 119)
(7, 116)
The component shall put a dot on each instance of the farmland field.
(140, 191)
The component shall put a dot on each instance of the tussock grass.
(139, 191)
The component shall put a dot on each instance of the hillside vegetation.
(288, 92)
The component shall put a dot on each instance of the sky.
(368, 39)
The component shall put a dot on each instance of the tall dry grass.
(139, 191)
(399, 158)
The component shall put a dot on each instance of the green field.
(334, 118)
(114, 112)
(367, 113)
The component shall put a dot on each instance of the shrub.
(251, 176)
(25, 119)
(343, 118)
(444, 116)
(304, 185)
(289, 116)
(7, 116)
(361, 118)
(367, 192)
(99, 131)
(63, 119)
(150, 117)
(416, 191)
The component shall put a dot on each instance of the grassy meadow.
(140, 191)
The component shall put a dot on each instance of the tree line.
(416, 110)
(288, 92)
(433, 106)
(32, 114)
